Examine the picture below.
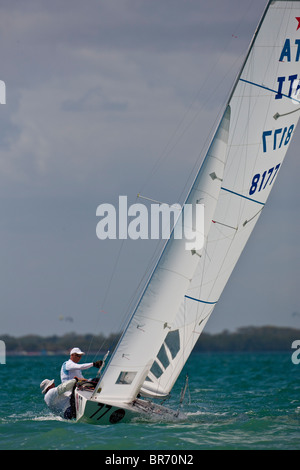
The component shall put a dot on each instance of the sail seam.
(269, 89)
(175, 272)
(199, 300)
(241, 195)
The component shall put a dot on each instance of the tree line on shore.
(265, 338)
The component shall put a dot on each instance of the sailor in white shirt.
(71, 368)
(59, 399)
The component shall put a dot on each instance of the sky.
(120, 97)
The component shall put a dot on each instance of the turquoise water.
(238, 401)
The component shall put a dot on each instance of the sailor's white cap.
(46, 384)
(76, 351)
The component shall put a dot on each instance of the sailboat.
(233, 182)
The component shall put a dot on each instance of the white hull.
(92, 411)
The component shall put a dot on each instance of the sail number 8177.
(280, 137)
(260, 181)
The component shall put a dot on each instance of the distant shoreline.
(264, 338)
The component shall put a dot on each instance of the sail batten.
(201, 301)
(242, 195)
(264, 87)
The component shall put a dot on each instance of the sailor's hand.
(98, 364)
(81, 382)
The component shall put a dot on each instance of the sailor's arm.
(66, 386)
(87, 365)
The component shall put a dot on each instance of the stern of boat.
(89, 410)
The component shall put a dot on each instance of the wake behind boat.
(233, 182)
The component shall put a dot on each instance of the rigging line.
(246, 131)
(201, 320)
(268, 89)
(113, 273)
(185, 332)
(183, 392)
(152, 200)
(257, 98)
(137, 290)
(263, 78)
(224, 225)
(122, 321)
(266, 116)
(165, 151)
(277, 115)
(226, 253)
(270, 56)
(181, 354)
(255, 215)
(106, 294)
(187, 338)
(203, 104)
(211, 133)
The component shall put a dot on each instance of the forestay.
(233, 183)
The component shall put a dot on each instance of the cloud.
(94, 100)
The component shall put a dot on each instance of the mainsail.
(233, 183)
